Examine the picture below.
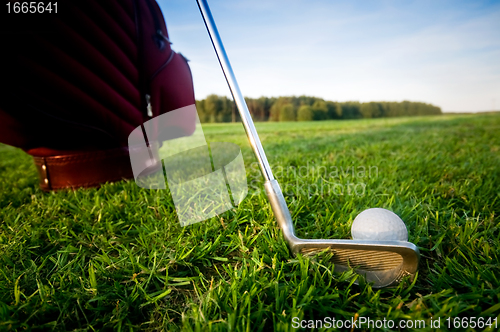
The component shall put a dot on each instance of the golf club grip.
(246, 118)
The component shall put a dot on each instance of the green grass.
(115, 258)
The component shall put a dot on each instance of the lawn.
(116, 258)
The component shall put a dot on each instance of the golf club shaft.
(273, 190)
(246, 118)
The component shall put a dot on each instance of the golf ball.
(379, 225)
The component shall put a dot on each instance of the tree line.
(216, 108)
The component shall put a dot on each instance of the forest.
(216, 108)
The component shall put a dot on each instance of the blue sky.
(442, 52)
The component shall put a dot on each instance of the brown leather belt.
(84, 169)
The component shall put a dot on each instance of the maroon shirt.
(77, 80)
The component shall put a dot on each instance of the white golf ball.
(379, 225)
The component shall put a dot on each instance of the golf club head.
(383, 263)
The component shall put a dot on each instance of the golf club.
(382, 263)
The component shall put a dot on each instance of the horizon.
(445, 54)
(375, 101)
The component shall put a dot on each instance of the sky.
(446, 53)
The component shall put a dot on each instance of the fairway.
(116, 258)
